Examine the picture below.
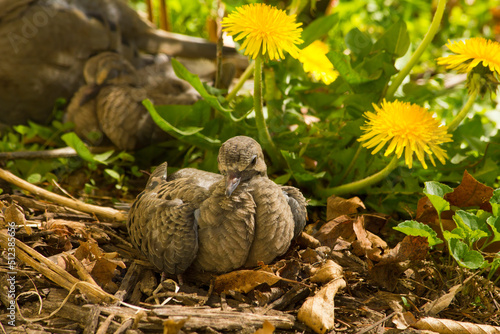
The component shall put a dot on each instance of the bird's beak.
(232, 181)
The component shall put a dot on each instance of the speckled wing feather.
(274, 223)
(162, 221)
(297, 203)
(165, 231)
(123, 118)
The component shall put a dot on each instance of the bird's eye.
(254, 160)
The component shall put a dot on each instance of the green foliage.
(476, 229)
(412, 227)
(435, 192)
(34, 137)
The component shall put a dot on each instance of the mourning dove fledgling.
(216, 222)
(45, 44)
(110, 106)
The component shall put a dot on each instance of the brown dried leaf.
(88, 250)
(267, 328)
(306, 240)
(100, 265)
(425, 211)
(445, 326)
(62, 227)
(340, 227)
(469, 193)
(367, 243)
(432, 308)
(385, 298)
(14, 213)
(375, 222)
(244, 280)
(413, 248)
(317, 312)
(327, 272)
(403, 320)
(338, 206)
(309, 256)
(104, 270)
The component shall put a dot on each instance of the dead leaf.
(244, 280)
(104, 270)
(88, 250)
(338, 206)
(413, 248)
(403, 320)
(375, 222)
(290, 270)
(62, 227)
(329, 271)
(306, 240)
(387, 271)
(267, 328)
(367, 243)
(317, 312)
(14, 213)
(340, 227)
(309, 256)
(100, 265)
(432, 308)
(469, 193)
(445, 326)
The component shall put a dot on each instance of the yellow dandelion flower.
(315, 62)
(266, 29)
(406, 127)
(470, 53)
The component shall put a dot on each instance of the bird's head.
(240, 159)
(109, 68)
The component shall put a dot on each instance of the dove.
(216, 222)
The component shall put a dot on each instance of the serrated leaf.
(412, 227)
(465, 257)
(436, 188)
(457, 233)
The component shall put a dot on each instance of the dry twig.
(103, 212)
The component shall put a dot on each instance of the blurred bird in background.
(47, 44)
